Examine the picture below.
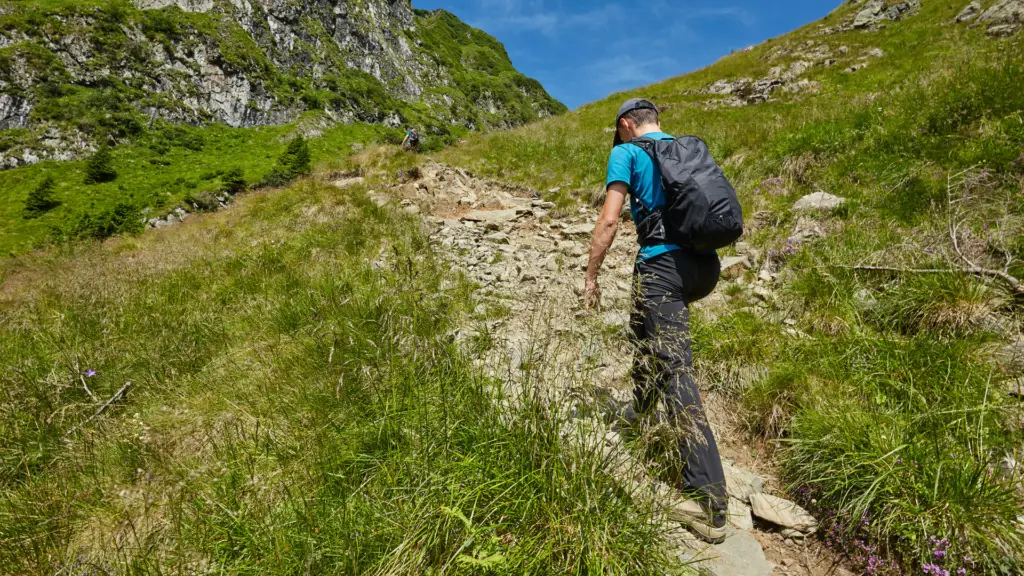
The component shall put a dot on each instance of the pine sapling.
(99, 167)
(40, 199)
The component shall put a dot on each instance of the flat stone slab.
(346, 182)
(739, 555)
(782, 512)
(491, 216)
(579, 230)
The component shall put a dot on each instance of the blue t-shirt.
(632, 166)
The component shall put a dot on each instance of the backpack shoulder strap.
(646, 144)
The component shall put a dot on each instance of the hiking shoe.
(708, 525)
(626, 417)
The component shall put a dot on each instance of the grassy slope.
(890, 407)
(298, 406)
(159, 172)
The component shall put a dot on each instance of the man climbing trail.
(411, 140)
(667, 278)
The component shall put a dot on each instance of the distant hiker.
(412, 140)
(667, 278)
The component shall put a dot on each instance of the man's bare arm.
(604, 236)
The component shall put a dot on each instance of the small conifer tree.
(40, 199)
(99, 167)
(297, 157)
(293, 162)
(233, 181)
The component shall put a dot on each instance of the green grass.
(297, 406)
(159, 172)
(879, 389)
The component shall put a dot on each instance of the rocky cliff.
(74, 74)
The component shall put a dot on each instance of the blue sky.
(582, 51)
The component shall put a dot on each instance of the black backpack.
(701, 209)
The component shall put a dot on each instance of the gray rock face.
(244, 63)
(818, 201)
(14, 112)
(185, 5)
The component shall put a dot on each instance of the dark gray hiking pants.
(663, 367)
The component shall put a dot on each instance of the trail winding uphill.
(528, 261)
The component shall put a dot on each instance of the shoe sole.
(706, 532)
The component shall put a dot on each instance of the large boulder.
(870, 14)
(1004, 12)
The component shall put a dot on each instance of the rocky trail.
(528, 261)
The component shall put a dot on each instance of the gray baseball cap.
(629, 106)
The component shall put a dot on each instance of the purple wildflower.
(90, 373)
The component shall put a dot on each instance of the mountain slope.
(187, 91)
(73, 74)
(874, 343)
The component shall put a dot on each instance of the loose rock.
(741, 483)
(818, 201)
(740, 515)
(782, 512)
(970, 12)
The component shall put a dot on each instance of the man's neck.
(646, 129)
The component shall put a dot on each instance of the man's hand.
(592, 295)
(604, 235)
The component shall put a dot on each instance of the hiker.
(667, 278)
(412, 140)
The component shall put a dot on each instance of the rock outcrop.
(1004, 18)
(877, 11)
(249, 63)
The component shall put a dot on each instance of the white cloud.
(532, 16)
(624, 71)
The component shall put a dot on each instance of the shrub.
(233, 181)
(121, 218)
(203, 201)
(99, 167)
(293, 162)
(40, 199)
